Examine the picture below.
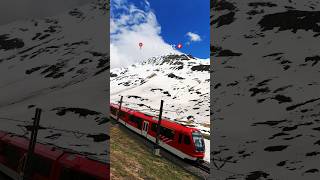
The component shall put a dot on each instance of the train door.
(145, 128)
(184, 143)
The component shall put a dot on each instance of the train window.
(113, 111)
(198, 141)
(154, 127)
(12, 155)
(180, 138)
(186, 139)
(139, 122)
(168, 133)
(122, 114)
(69, 174)
(132, 118)
(41, 166)
(136, 120)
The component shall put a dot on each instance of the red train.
(185, 142)
(50, 163)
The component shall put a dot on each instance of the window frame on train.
(180, 138)
(136, 120)
(186, 137)
(166, 132)
(113, 111)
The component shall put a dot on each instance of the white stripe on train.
(9, 172)
(163, 145)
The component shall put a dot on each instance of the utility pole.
(27, 168)
(157, 146)
(120, 104)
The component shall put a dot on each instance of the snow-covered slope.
(182, 81)
(266, 91)
(58, 64)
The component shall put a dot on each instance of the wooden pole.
(157, 147)
(28, 165)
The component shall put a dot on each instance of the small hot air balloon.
(140, 45)
(179, 46)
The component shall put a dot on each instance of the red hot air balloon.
(179, 46)
(140, 45)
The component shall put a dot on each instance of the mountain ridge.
(176, 79)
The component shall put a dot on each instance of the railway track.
(199, 169)
(205, 166)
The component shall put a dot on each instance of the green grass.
(131, 159)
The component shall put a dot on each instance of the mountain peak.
(171, 59)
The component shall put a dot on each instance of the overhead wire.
(77, 134)
(153, 109)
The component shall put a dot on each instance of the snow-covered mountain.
(58, 64)
(266, 91)
(182, 81)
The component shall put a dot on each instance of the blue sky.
(158, 24)
(177, 17)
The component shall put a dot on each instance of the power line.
(153, 109)
(77, 134)
(16, 120)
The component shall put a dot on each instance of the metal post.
(32, 144)
(157, 146)
(120, 104)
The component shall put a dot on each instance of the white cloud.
(130, 28)
(193, 36)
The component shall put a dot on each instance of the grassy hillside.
(131, 159)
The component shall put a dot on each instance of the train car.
(49, 162)
(185, 142)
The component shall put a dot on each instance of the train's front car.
(199, 145)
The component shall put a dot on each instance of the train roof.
(164, 122)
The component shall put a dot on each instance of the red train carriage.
(185, 142)
(49, 162)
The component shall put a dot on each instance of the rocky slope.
(182, 81)
(58, 64)
(266, 91)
